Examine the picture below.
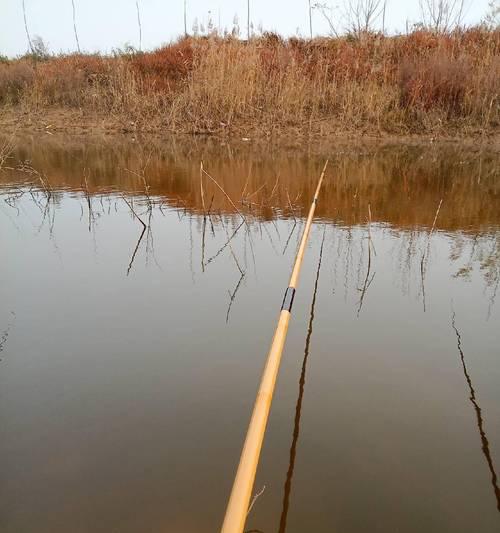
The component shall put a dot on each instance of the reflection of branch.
(493, 295)
(368, 281)
(270, 238)
(425, 255)
(289, 237)
(203, 243)
(6, 149)
(140, 236)
(89, 202)
(231, 248)
(223, 247)
(484, 441)
(133, 212)
(233, 296)
(298, 407)
(135, 250)
(150, 245)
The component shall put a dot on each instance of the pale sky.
(104, 24)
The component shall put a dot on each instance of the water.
(131, 355)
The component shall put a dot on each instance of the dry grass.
(417, 83)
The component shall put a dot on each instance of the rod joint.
(288, 299)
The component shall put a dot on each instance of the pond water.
(137, 309)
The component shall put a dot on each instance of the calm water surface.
(134, 327)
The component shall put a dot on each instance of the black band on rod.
(288, 300)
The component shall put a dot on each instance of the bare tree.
(196, 27)
(139, 24)
(248, 19)
(235, 32)
(327, 13)
(39, 48)
(30, 44)
(492, 18)
(442, 15)
(361, 15)
(74, 27)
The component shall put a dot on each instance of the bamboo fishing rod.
(237, 507)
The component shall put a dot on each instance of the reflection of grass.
(6, 148)
(420, 82)
(5, 335)
(403, 184)
(483, 251)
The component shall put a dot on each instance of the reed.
(423, 82)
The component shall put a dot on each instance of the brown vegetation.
(417, 83)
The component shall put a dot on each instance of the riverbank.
(80, 125)
(421, 84)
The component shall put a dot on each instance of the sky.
(106, 24)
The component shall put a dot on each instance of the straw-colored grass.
(417, 83)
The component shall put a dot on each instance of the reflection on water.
(403, 184)
(480, 424)
(145, 289)
(298, 407)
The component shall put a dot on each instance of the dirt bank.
(78, 123)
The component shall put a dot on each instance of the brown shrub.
(435, 82)
(15, 78)
(165, 67)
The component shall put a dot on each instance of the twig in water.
(290, 205)
(202, 192)
(274, 188)
(255, 498)
(254, 193)
(223, 191)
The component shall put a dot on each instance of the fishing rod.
(239, 500)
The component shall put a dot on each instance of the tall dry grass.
(416, 83)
